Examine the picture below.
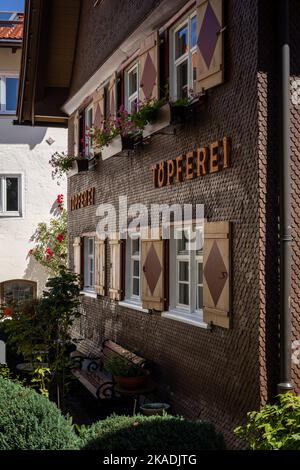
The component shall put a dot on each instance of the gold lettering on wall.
(83, 199)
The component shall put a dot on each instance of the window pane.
(182, 244)
(136, 287)
(135, 246)
(194, 68)
(183, 271)
(12, 197)
(182, 80)
(199, 297)
(200, 273)
(133, 106)
(193, 31)
(16, 292)
(184, 294)
(91, 246)
(11, 93)
(136, 268)
(181, 42)
(132, 82)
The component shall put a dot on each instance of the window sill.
(90, 294)
(15, 215)
(133, 306)
(190, 319)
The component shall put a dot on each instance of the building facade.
(208, 320)
(28, 192)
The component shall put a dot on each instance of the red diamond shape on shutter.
(152, 268)
(149, 77)
(215, 273)
(208, 35)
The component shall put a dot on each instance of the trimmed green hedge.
(165, 433)
(29, 421)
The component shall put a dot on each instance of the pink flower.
(60, 237)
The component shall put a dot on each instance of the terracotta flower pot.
(131, 383)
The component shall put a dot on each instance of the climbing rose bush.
(51, 240)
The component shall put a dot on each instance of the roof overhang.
(50, 31)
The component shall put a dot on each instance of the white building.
(27, 190)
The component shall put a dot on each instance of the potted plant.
(152, 409)
(62, 163)
(126, 373)
(185, 108)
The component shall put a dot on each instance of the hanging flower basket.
(82, 164)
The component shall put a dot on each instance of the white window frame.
(3, 196)
(130, 259)
(89, 152)
(174, 63)
(190, 312)
(3, 78)
(88, 286)
(129, 99)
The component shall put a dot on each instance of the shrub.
(29, 421)
(275, 426)
(166, 433)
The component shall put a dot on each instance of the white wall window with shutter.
(112, 96)
(217, 273)
(116, 268)
(149, 67)
(210, 44)
(100, 266)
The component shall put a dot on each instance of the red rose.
(30, 252)
(60, 199)
(60, 237)
(49, 253)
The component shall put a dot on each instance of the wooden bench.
(89, 369)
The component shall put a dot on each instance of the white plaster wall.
(24, 150)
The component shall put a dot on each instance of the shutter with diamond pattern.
(98, 113)
(112, 99)
(100, 266)
(153, 252)
(77, 255)
(76, 133)
(149, 67)
(116, 288)
(216, 273)
(210, 44)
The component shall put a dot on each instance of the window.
(132, 88)
(7, 15)
(133, 268)
(8, 94)
(89, 118)
(17, 291)
(184, 57)
(10, 195)
(186, 271)
(89, 263)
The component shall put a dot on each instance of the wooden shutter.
(76, 134)
(210, 44)
(149, 67)
(116, 289)
(100, 266)
(112, 97)
(77, 254)
(153, 273)
(216, 273)
(98, 108)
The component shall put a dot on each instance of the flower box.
(82, 164)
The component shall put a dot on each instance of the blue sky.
(11, 5)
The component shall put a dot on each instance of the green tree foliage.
(275, 426)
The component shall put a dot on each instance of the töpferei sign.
(193, 164)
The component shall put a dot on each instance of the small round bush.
(29, 421)
(166, 433)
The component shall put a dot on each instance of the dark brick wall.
(101, 30)
(221, 374)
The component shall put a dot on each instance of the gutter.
(285, 384)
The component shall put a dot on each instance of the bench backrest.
(110, 347)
